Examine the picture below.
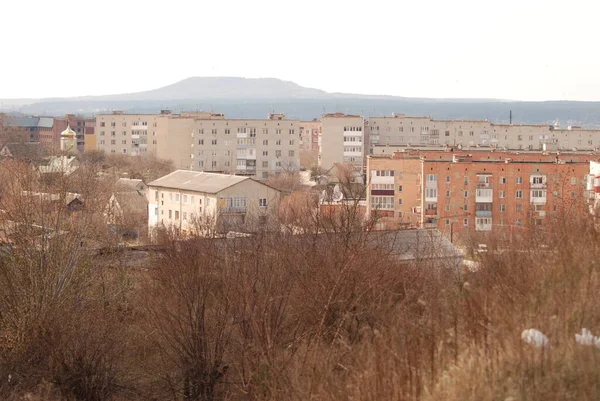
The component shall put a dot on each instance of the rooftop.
(198, 181)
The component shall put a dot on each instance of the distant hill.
(255, 98)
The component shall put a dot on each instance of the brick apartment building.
(475, 191)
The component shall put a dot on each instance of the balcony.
(484, 195)
(431, 212)
(538, 186)
(232, 210)
(481, 184)
(483, 213)
(242, 135)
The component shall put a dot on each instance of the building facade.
(309, 135)
(342, 140)
(204, 141)
(400, 130)
(478, 191)
(187, 201)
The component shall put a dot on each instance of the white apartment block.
(342, 140)
(187, 200)
(404, 131)
(204, 141)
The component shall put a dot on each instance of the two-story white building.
(193, 202)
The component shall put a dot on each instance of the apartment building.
(127, 134)
(400, 130)
(309, 135)
(188, 201)
(342, 140)
(204, 141)
(476, 191)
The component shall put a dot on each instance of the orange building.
(479, 191)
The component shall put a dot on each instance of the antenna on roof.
(510, 117)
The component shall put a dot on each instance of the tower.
(67, 140)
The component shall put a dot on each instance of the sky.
(509, 49)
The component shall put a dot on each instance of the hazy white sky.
(510, 49)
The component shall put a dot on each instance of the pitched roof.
(25, 152)
(45, 122)
(414, 244)
(199, 181)
(129, 184)
(132, 202)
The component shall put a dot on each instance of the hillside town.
(464, 178)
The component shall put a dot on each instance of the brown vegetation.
(325, 315)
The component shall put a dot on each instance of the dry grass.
(312, 317)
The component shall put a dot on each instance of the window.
(170, 214)
(278, 142)
(447, 194)
(573, 180)
(431, 192)
(214, 141)
(184, 215)
(466, 194)
(103, 124)
(537, 180)
(176, 214)
(176, 197)
(432, 177)
(519, 208)
(262, 202)
(465, 222)
(447, 179)
(400, 201)
(192, 199)
(466, 207)
(448, 207)
(503, 208)
(156, 211)
(538, 193)
(185, 199)
(519, 180)
(265, 164)
(291, 153)
(292, 142)
(384, 173)
(266, 142)
(265, 153)
(501, 194)
(399, 188)
(278, 153)
(518, 222)
(519, 194)
(201, 142)
(502, 180)
(382, 202)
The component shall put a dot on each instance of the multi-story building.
(309, 135)
(400, 130)
(204, 141)
(342, 140)
(37, 129)
(196, 202)
(128, 134)
(478, 191)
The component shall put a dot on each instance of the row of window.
(124, 124)
(535, 193)
(486, 179)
